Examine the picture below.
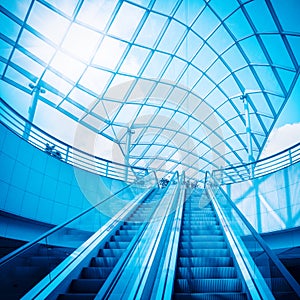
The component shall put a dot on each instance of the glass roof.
(161, 83)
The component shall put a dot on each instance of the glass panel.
(17, 77)
(286, 77)
(216, 98)
(268, 79)
(94, 122)
(174, 69)
(203, 87)
(27, 63)
(277, 50)
(134, 60)
(126, 21)
(175, 98)
(190, 46)
(140, 90)
(223, 10)
(66, 6)
(47, 22)
(288, 14)
(149, 32)
(204, 58)
(164, 6)
(18, 8)
(103, 56)
(57, 82)
(36, 46)
(247, 79)
(72, 109)
(68, 66)
(234, 59)
(260, 103)
(230, 87)
(261, 262)
(95, 79)
(145, 114)
(190, 77)
(155, 65)
(96, 13)
(5, 49)
(253, 51)
(188, 10)
(218, 71)
(263, 21)
(8, 27)
(239, 25)
(81, 42)
(82, 97)
(220, 40)
(206, 23)
(127, 113)
(171, 37)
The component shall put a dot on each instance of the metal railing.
(62, 151)
(258, 168)
(261, 262)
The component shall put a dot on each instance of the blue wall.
(37, 186)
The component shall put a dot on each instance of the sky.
(286, 132)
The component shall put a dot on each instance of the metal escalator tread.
(92, 277)
(210, 296)
(205, 268)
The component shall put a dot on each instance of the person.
(57, 154)
(49, 149)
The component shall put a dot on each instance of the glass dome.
(168, 85)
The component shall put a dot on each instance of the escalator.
(93, 276)
(205, 266)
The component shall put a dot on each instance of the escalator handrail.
(28, 245)
(288, 277)
(166, 281)
(113, 281)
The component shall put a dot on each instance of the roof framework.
(170, 74)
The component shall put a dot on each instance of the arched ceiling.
(169, 74)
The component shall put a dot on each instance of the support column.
(127, 151)
(36, 90)
(248, 132)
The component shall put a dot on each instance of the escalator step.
(110, 252)
(96, 272)
(126, 232)
(203, 245)
(202, 223)
(86, 285)
(130, 227)
(199, 238)
(121, 238)
(210, 296)
(116, 245)
(202, 238)
(208, 285)
(206, 272)
(205, 262)
(104, 261)
(198, 219)
(198, 230)
(204, 252)
(70, 296)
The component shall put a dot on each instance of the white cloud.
(282, 138)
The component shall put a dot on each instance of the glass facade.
(168, 85)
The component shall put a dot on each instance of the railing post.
(290, 157)
(36, 90)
